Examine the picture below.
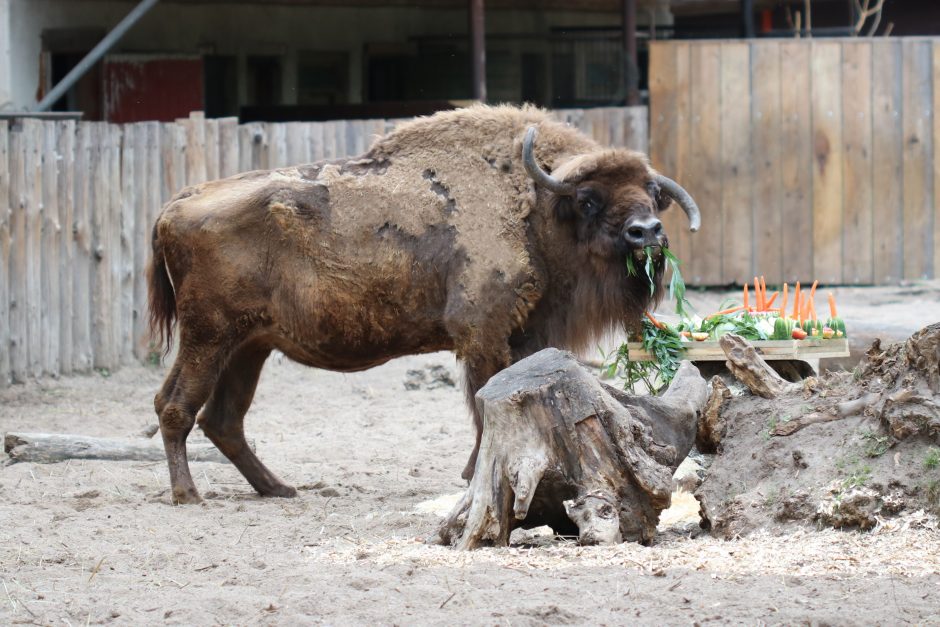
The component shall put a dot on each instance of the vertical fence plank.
(669, 139)
(195, 127)
(173, 157)
(154, 204)
(82, 358)
(19, 360)
(250, 142)
(329, 140)
(826, 244)
(736, 217)
(65, 149)
(115, 261)
(34, 262)
(918, 151)
(277, 146)
(296, 149)
(339, 134)
(131, 180)
(768, 185)
(213, 157)
(5, 215)
(704, 161)
(315, 137)
(858, 259)
(102, 247)
(51, 305)
(935, 160)
(796, 149)
(887, 153)
(140, 144)
(228, 147)
(680, 228)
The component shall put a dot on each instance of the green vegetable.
(684, 309)
(664, 345)
(783, 328)
(837, 325)
(810, 325)
(677, 285)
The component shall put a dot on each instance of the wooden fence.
(809, 158)
(75, 237)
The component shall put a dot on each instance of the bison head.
(613, 198)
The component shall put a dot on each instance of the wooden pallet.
(768, 349)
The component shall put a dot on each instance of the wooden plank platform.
(769, 350)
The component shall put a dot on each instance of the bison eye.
(607, 511)
(590, 201)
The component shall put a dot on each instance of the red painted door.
(138, 88)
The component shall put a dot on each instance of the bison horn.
(540, 176)
(675, 191)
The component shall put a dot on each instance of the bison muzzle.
(493, 232)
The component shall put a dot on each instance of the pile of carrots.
(804, 306)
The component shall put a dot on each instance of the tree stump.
(843, 449)
(559, 448)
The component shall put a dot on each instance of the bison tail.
(162, 297)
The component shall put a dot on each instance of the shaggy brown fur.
(436, 239)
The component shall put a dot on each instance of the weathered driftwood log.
(48, 448)
(559, 448)
(748, 367)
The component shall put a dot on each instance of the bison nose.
(644, 232)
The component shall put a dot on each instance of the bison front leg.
(478, 372)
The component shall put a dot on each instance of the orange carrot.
(656, 323)
(804, 311)
(763, 290)
(832, 306)
(812, 309)
(812, 290)
(757, 295)
(770, 301)
(725, 311)
(746, 304)
(783, 305)
(796, 301)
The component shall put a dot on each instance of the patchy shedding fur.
(435, 239)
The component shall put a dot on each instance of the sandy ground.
(98, 542)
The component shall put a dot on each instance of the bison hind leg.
(185, 390)
(222, 419)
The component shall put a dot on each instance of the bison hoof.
(282, 491)
(186, 496)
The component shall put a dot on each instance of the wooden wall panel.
(887, 150)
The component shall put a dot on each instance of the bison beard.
(461, 231)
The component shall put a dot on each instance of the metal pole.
(631, 68)
(478, 50)
(95, 55)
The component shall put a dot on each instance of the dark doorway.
(263, 76)
(221, 85)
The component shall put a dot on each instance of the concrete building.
(319, 59)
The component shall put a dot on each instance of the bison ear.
(656, 193)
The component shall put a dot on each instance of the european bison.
(448, 234)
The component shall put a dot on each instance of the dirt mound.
(847, 450)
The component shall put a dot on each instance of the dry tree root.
(749, 368)
(559, 448)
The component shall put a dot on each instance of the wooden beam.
(631, 75)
